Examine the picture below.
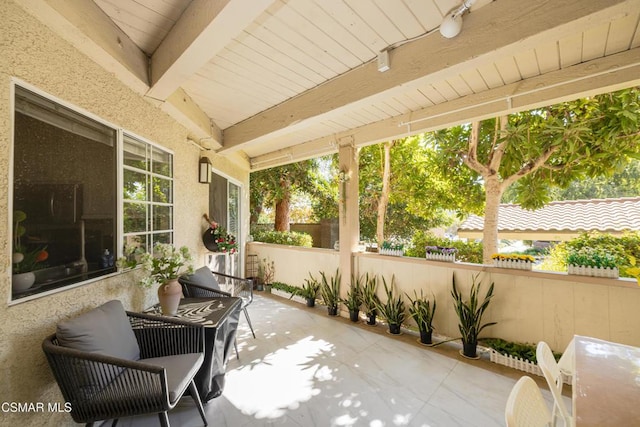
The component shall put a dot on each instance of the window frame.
(119, 178)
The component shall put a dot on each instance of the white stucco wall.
(29, 51)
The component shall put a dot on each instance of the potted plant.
(309, 290)
(422, 312)
(391, 248)
(598, 262)
(517, 261)
(393, 309)
(353, 301)
(370, 298)
(330, 291)
(217, 239)
(266, 274)
(163, 268)
(25, 261)
(470, 313)
(440, 253)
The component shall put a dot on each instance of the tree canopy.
(537, 150)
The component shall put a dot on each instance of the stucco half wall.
(30, 52)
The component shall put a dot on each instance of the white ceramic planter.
(519, 364)
(441, 257)
(581, 270)
(392, 252)
(512, 263)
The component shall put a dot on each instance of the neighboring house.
(562, 220)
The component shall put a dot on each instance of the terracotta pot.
(169, 295)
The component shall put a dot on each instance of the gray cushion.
(180, 368)
(105, 329)
(203, 277)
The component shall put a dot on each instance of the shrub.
(522, 350)
(291, 238)
(466, 251)
(619, 248)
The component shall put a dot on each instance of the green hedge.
(291, 238)
(622, 247)
(467, 251)
(515, 349)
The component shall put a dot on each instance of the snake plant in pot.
(470, 313)
(393, 309)
(370, 298)
(330, 291)
(422, 311)
(309, 290)
(353, 301)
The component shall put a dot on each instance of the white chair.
(526, 406)
(553, 375)
(567, 360)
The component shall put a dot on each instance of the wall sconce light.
(452, 23)
(204, 170)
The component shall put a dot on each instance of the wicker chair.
(111, 364)
(526, 406)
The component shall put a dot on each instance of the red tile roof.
(605, 215)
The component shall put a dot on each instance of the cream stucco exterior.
(31, 53)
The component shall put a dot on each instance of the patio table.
(220, 319)
(606, 383)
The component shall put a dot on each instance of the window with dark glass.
(66, 214)
(64, 196)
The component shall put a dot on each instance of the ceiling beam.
(90, 30)
(85, 26)
(600, 75)
(202, 31)
(498, 29)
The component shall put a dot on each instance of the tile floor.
(308, 369)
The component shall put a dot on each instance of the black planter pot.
(259, 287)
(371, 319)
(209, 241)
(394, 329)
(311, 302)
(354, 315)
(425, 336)
(333, 311)
(469, 349)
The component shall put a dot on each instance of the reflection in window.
(147, 194)
(64, 196)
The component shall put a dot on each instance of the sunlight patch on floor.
(268, 387)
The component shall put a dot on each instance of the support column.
(349, 210)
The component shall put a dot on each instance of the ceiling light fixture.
(452, 23)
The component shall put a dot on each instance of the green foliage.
(353, 301)
(593, 257)
(421, 310)
(291, 238)
(330, 289)
(393, 309)
(310, 288)
(421, 192)
(370, 298)
(515, 349)
(471, 310)
(603, 247)
(293, 290)
(466, 251)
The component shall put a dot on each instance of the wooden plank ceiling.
(283, 80)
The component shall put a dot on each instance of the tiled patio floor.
(307, 369)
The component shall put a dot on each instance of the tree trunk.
(383, 202)
(283, 207)
(493, 189)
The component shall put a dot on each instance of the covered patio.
(306, 369)
(244, 86)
